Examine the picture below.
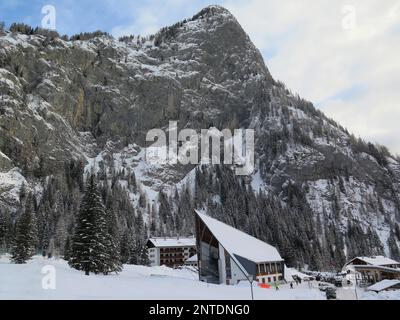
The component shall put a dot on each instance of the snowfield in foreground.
(137, 282)
(134, 282)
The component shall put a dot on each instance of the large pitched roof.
(239, 243)
(376, 260)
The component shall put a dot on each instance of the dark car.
(338, 282)
(318, 277)
(330, 293)
(329, 280)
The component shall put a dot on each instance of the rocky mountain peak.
(213, 10)
(88, 102)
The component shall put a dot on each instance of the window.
(269, 279)
(274, 278)
(263, 280)
(262, 268)
(268, 267)
(228, 265)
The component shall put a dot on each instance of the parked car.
(338, 282)
(330, 280)
(330, 293)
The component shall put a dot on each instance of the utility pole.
(251, 286)
(355, 286)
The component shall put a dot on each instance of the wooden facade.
(372, 274)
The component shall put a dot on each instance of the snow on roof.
(192, 259)
(384, 284)
(173, 242)
(239, 243)
(377, 260)
(290, 273)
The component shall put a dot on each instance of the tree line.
(91, 224)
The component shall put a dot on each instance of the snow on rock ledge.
(10, 185)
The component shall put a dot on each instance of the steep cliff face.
(96, 99)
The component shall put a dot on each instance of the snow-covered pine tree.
(5, 231)
(134, 251)
(26, 234)
(393, 248)
(67, 249)
(113, 263)
(144, 257)
(90, 249)
(124, 247)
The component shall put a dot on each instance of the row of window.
(177, 249)
(271, 279)
(171, 255)
(166, 261)
(269, 268)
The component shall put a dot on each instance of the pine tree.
(5, 231)
(113, 263)
(67, 249)
(144, 257)
(91, 242)
(125, 247)
(393, 248)
(142, 200)
(26, 234)
(164, 209)
(133, 251)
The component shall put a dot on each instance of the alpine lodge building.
(227, 255)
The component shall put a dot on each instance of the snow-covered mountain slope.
(93, 100)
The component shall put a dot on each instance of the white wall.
(154, 255)
(237, 273)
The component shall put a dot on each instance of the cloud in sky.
(352, 74)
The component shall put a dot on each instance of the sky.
(342, 55)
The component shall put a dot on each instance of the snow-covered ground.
(384, 295)
(146, 283)
(134, 282)
(349, 293)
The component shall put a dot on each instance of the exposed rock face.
(63, 100)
